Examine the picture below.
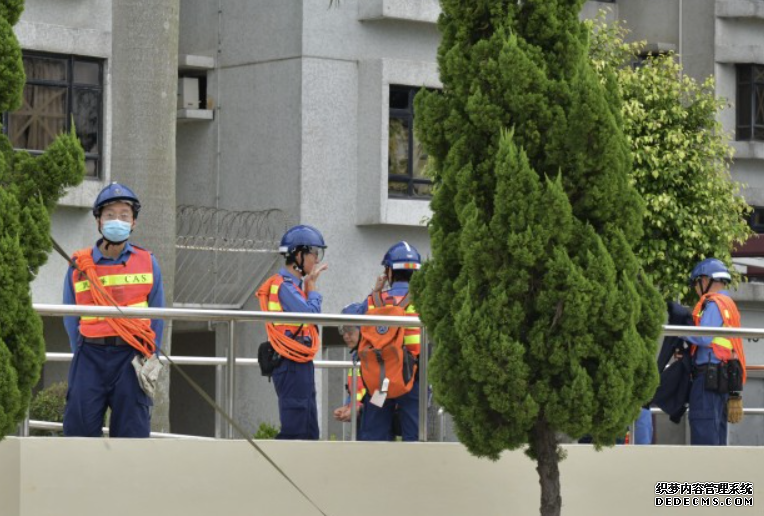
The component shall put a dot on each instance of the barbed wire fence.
(222, 256)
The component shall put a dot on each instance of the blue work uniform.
(101, 374)
(377, 422)
(708, 410)
(294, 381)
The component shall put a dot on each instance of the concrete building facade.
(291, 111)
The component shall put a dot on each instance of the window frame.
(748, 131)
(71, 86)
(407, 115)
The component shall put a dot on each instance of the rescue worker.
(102, 374)
(293, 289)
(400, 262)
(708, 402)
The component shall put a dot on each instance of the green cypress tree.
(29, 190)
(543, 318)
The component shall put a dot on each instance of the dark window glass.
(756, 220)
(407, 159)
(87, 72)
(749, 111)
(59, 89)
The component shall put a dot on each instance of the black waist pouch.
(716, 378)
(735, 375)
(267, 359)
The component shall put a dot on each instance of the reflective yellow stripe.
(117, 280)
(722, 342)
(274, 289)
(410, 310)
(412, 340)
(274, 307)
(144, 304)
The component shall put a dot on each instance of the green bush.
(266, 431)
(48, 405)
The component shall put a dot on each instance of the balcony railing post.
(423, 386)
(231, 377)
(24, 426)
(354, 402)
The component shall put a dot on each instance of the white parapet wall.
(51, 476)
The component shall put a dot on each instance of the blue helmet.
(348, 326)
(402, 256)
(116, 192)
(301, 236)
(711, 267)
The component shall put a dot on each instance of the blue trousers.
(296, 389)
(643, 428)
(377, 422)
(708, 415)
(102, 376)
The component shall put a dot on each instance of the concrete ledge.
(426, 11)
(739, 9)
(732, 54)
(40, 476)
(748, 149)
(63, 40)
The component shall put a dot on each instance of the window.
(406, 159)
(756, 219)
(750, 102)
(59, 88)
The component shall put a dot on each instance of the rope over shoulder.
(136, 332)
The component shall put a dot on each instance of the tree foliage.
(29, 190)
(681, 161)
(544, 320)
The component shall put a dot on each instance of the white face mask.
(116, 231)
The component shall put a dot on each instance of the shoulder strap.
(376, 299)
(406, 301)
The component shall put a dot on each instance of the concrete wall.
(229, 477)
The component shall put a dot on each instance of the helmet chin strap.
(298, 266)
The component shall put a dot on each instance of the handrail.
(199, 314)
(233, 316)
(213, 361)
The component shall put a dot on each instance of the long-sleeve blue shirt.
(290, 298)
(292, 301)
(711, 318)
(156, 296)
(399, 288)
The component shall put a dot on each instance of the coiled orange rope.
(136, 332)
(286, 346)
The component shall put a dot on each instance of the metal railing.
(230, 361)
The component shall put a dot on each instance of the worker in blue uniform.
(293, 289)
(707, 406)
(400, 262)
(101, 374)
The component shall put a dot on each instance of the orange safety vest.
(286, 345)
(129, 284)
(724, 349)
(412, 336)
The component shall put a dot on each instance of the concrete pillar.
(144, 78)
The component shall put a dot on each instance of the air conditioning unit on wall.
(188, 93)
